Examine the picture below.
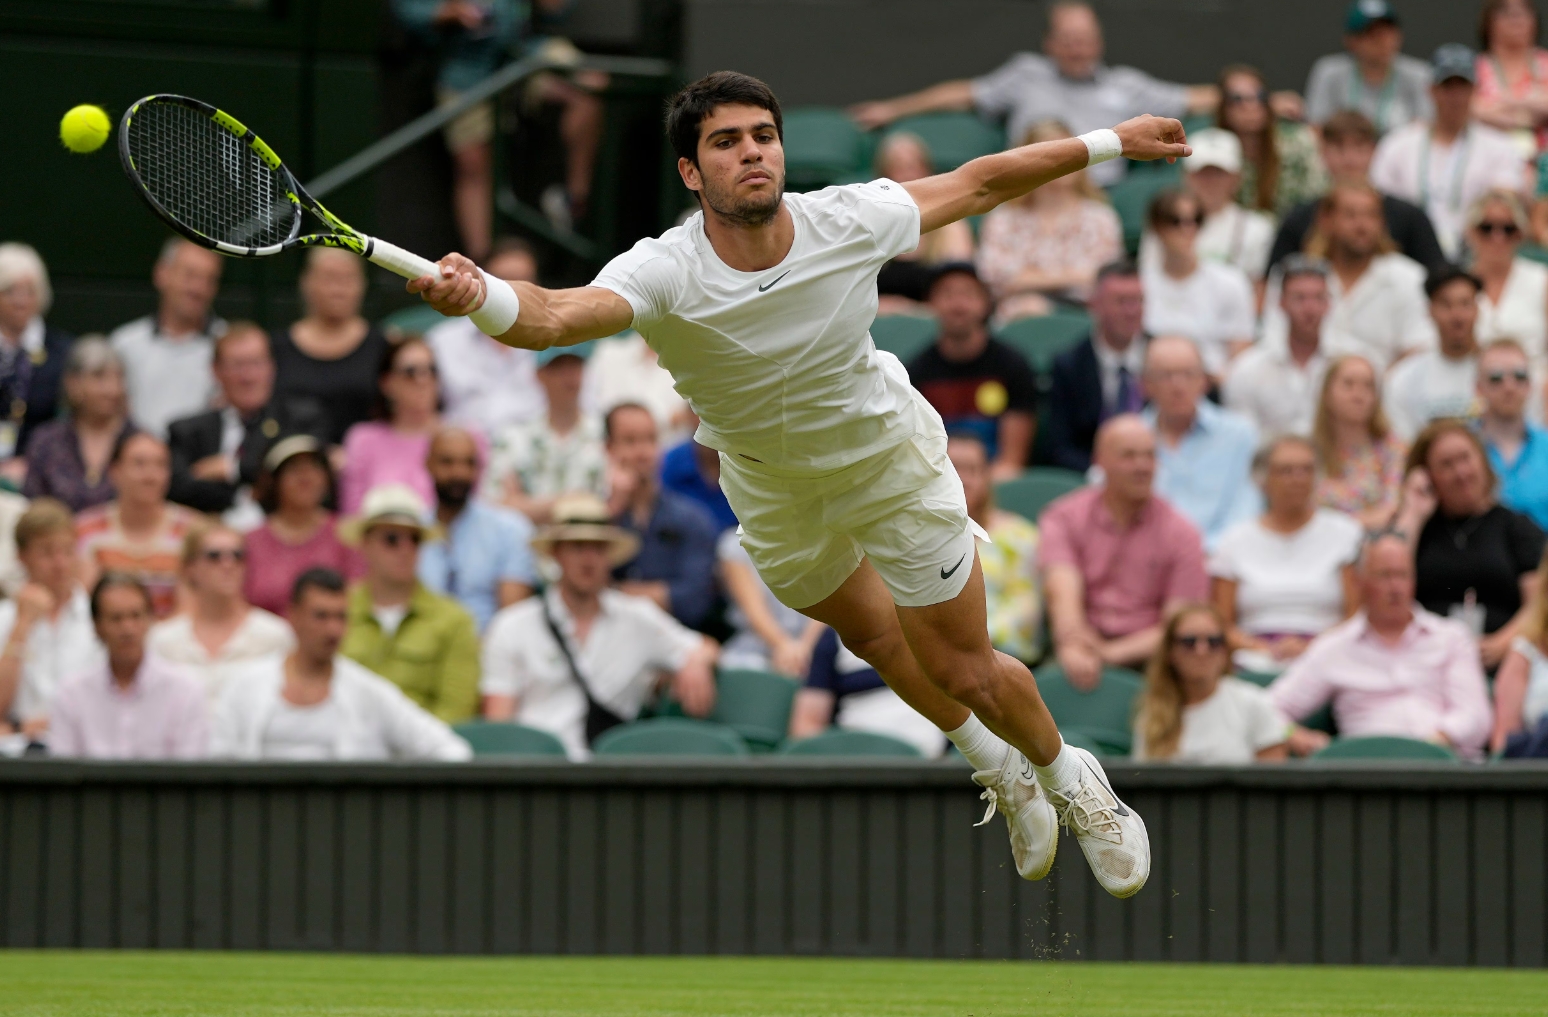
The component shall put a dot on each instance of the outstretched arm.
(976, 187)
(952, 95)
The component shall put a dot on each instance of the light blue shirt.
(1524, 483)
(485, 547)
(1208, 476)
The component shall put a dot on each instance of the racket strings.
(207, 178)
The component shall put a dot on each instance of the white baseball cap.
(1214, 146)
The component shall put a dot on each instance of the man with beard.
(759, 306)
(485, 562)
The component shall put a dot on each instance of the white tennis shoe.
(1013, 791)
(1111, 835)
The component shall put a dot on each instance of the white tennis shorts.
(902, 508)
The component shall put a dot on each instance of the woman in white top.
(1521, 684)
(1514, 301)
(1192, 711)
(220, 635)
(1285, 577)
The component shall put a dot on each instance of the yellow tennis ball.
(85, 128)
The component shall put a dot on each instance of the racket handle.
(395, 259)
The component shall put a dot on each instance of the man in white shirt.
(615, 647)
(1231, 235)
(1444, 165)
(1441, 382)
(1277, 383)
(167, 355)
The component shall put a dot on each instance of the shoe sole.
(1096, 767)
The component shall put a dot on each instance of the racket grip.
(395, 259)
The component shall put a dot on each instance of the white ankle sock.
(979, 745)
(1063, 772)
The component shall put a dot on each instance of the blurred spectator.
(424, 643)
(1361, 460)
(1069, 82)
(845, 692)
(315, 705)
(1392, 669)
(1475, 560)
(1008, 559)
(1518, 448)
(1116, 559)
(391, 448)
(330, 357)
(485, 562)
(904, 282)
(1046, 247)
(582, 657)
(1231, 234)
(1445, 164)
(12, 575)
(140, 534)
(1280, 165)
(132, 705)
(767, 635)
(32, 352)
(1098, 379)
(67, 458)
(216, 455)
(693, 471)
(624, 369)
(166, 355)
(1208, 302)
(299, 532)
(1514, 299)
(220, 633)
(531, 464)
(1275, 383)
(973, 381)
(1521, 686)
(1511, 71)
(1441, 382)
(1287, 576)
(1193, 710)
(1373, 76)
(675, 566)
(485, 384)
(46, 628)
(1348, 145)
(1203, 453)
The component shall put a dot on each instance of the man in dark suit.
(218, 453)
(1098, 378)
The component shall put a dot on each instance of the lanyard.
(1383, 101)
(1458, 168)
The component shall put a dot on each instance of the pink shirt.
(1430, 681)
(1130, 574)
(273, 565)
(162, 715)
(376, 454)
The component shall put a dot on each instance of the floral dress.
(1369, 479)
(1301, 173)
(1009, 562)
(1083, 236)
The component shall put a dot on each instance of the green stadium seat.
(823, 146)
(1262, 679)
(756, 705)
(1030, 493)
(903, 335)
(1105, 713)
(1042, 339)
(670, 736)
(498, 739)
(416, 319)
(1384, 747)
(1083, 739)
(1532, 252)
(834, 742)
(1131, 199)
(953, 138)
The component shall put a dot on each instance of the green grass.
(45, 984)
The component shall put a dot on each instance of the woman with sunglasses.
(1210, 303)
(219, 633)
(1360, 459)
(1194, 711)
(1280, 164)
(1514, 299)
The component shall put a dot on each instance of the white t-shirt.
(56, 649)
(166, 379)
(301, 732)
(1229, 728)
(1236, 236)
(1267, 386)
(1213, 306)
(1426, 386)
(1445, 179)
(779, 364)
(1288, 583)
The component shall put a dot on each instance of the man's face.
(143, 470)
(188, 281)
(1349, 159)
(740, 173)
(1377, 46)
(1354, 224)
(1455, 310)
(972, 465)
(1387, 581)
(1074, 41)
(245, 371)
(1305, 303)
(561, 379)
(1174, 377)
(50, 559)
(333, 284)
(583, 566)
(1504, 382)
(631, 443)
(513, 265)
(1118, 309)
(1453, 102)
(319, 619)
(123, 619)
(960, 303)
(1127, 455)
(392, 552)
(453, 466)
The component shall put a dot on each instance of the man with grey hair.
(1276, 382)
(167, 354)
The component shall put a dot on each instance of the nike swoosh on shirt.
(765, 289)
(945, 574)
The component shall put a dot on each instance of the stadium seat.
(756, 705)
(1030, 493)
(1262, 679)
(953, 138)
(1131, 199)
(834, 742)
(497, 739)
(1042, 339)
(903, 335)
(1083, 739)
(1105, 713)
(416, 319)
(823, 146)
(1384, 747)
(670, 736)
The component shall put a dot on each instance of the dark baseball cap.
(1453, 60)
(1365, 13)
(945, 269)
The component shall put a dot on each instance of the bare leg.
(473, 184)
(580, 128)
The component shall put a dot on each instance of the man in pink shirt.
(137, 707)
(1116, 559)
(1392, 669)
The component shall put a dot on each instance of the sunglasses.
(1194, 642)
(1178, 221)
(395, 539)
(413, 372)
(1520, 377)
(220, 554)
(1242, 98)
(1504, 229)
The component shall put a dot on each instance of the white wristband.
(498, 312)
(1102, 145)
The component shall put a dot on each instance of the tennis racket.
(215, 182)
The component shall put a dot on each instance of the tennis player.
(760, 306)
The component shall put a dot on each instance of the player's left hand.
(1148, 138)
(459, 290)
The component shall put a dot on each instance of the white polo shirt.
(1267, 386)
(1383, 315)
(56, 649)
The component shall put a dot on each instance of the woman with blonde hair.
(904, 282)
(1514, 299)
(1193, 710)
(1360, 458)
